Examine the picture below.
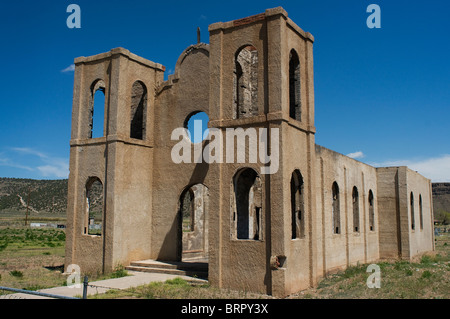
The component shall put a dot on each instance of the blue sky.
(382, 95)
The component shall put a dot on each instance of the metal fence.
(40, 294)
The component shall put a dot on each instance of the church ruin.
(268, 233)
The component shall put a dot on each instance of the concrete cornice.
(123, 52)
(269, 13)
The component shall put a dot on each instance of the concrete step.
(191, 265)
(193, 269)
(193, 254)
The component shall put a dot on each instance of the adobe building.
(269, 233)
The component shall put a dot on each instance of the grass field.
(17, 219)
(33, 259)
(428, 278)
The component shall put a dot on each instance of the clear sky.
(381, 95)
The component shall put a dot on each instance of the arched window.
(297, 205)
(94, 207)
(413, 224)
(247, 210)
(336, 209)
(371, 212)
(294, 86)
(138, 111)
(188, 210)
(246, 82)
(97, 110)
(421, 211)
(197, 125)
(355, 200)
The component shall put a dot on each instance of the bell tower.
(261, 70)
(111, 173)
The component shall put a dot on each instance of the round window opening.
(197, 127)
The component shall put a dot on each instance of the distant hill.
(44, 195)
(441, 201)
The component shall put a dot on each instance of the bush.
(425, 260)
(352, 271)
(119, 272)
(3, 246)
(61, 236)
(16, 273)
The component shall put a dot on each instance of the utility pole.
(28, 204)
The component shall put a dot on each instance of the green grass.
(23, 242)
(399, 280)
(176, 288)
(32, 237)
(427, 278)
(33, 259)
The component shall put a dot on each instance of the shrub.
(61, 236)
(16, 273)
(3, 246)
(352, 271)
(425, 260)
(119, 272)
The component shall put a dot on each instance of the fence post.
(85, 286)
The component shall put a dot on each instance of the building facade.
(275, 233)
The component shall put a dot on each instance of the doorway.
(193, 223)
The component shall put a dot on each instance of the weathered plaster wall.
(422, 237)
(348, 247)
(119, 161)
(397, 238)
(185, 93)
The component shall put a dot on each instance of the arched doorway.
(247, 206)
(193, 225)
